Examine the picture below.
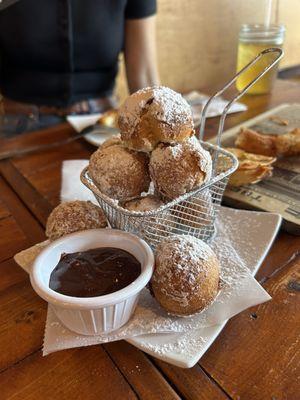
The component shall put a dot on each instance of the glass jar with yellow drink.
(252, 40)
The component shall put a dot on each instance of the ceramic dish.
(92, 315)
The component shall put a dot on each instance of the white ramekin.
(93, 315)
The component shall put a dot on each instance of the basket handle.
(228, 84)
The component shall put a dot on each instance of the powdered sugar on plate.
(187, 344)
(239, 291)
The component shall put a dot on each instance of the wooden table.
(257, 356)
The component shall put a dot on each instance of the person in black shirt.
(61, 56)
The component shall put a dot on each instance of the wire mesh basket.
(195, 212)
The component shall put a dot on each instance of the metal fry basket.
(195, 212)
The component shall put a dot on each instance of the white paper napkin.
(71, 186)
(239, 289)
(198, 100)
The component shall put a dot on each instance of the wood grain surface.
(255, 357)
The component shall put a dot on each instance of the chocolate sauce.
(94, 272)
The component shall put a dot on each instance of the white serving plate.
(252, 234)
(79, 122)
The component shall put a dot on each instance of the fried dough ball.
(152, 115)
(144, 203)
(112, 141)
(186, 275)
(119, 173)
(180, 168)
(74, 216)
(152, 227)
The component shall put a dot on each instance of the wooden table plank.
(285, 248)
(22, 316)
(47, 183)
(10, 274)
(45, 177)
(85, 374)
(148, 383)
(35, 202)
(19, 229)
(43, 171)
(53, 134)
(192, 383)
(29, 226)
(3, 211)
(257, 356)
(9, 247)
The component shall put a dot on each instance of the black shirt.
(57, 52)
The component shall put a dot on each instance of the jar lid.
(260, 32)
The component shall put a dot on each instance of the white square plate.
(252, 234)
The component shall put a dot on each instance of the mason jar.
(254, 38)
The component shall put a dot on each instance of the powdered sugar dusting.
(186, 258)
(167, 105)
(183, 248)
(178, 151)
(188, 344)
(119, 173)
(179, 168)
(204, 157)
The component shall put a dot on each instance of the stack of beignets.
(157, 141)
